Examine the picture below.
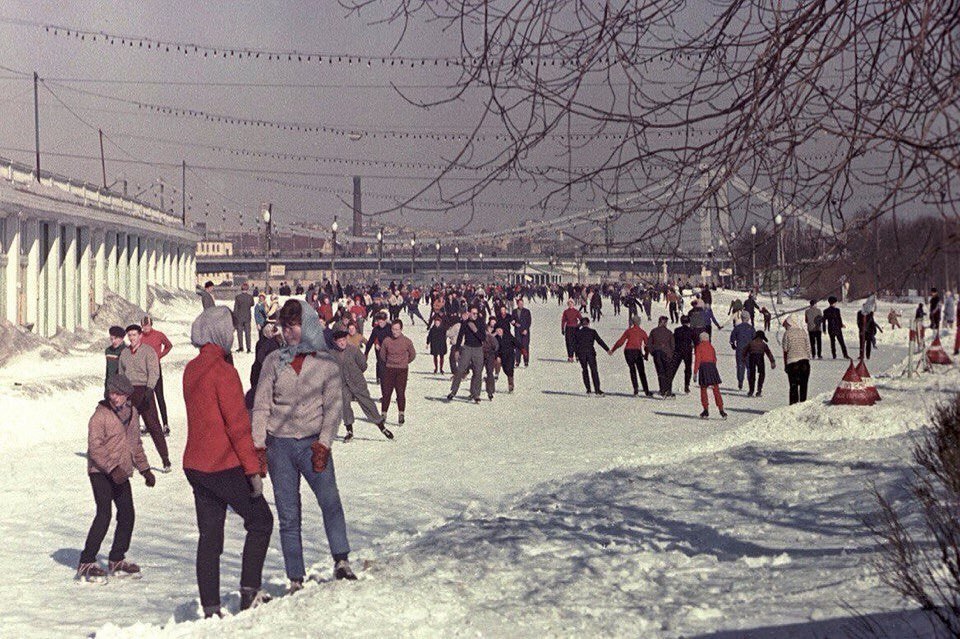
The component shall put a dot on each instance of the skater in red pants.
(706, 373)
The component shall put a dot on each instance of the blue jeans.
(741, 356)
(287, 460)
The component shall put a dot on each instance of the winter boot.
(124, 568)
(252, 597)
(386, 432)
(212, 611)
(91, 572)
(400, 418)
(342, 570)
(349, 434)
(705, 414)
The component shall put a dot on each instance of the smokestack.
(357, 221)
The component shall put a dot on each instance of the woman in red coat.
(221, 463)
(706, 373)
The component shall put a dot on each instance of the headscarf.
(213, 326)
(311, 336)
(869, 305)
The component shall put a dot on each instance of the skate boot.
(92, 573)
(349, 434)
(342, 570)
(296, 585)
(723, 415)
(386, 432)
(450, 397)
(705, 414)
(124, 568)
(400, 418)
(252, 598)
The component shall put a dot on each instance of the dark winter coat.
(831, 317)
(437, 340)
(583, 341)
(683, 341)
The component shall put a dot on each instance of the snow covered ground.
(543, 513)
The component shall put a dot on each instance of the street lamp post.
(481, 262)
(438, 261)
(413, 253)
(456, 254)
(379, 255)
(267, 213)
(753, 256)
(710, 263)
(778, 227)
(333, 253)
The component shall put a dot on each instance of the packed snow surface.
(542, 513)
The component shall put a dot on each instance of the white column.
(52, 271)
(30, 234)
(99, 251)
(182, 267)
(11, 255)
(110, 250)
(86, 294)
(151, 246)
(69, 279)
(123, 266)
(192, 268)
(144, 272)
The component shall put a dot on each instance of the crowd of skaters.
(310, 363)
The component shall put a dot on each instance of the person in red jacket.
(221, 463)
(706, 373)
(635, 341)
(158, 342)
(569, 324)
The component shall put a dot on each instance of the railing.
(88, 194)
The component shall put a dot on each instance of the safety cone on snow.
(851, 390)
(936, 354)
(867, 381)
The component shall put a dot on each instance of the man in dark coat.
(660, 346)
(242, 304)
(522, 320)
(831, 317)
(683, 343)
(583, 341)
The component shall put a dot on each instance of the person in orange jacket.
(707, 375)
(634, 341)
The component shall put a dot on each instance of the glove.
(256, 486)
(320, 456)
(117, 475)
(262, 459)
(149, 478)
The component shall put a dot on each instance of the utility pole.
(183, 192)
(36, 120)
(103, 162)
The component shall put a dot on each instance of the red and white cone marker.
(936, 354)
(868, 381)
(851, 390)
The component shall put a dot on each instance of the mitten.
(117, 475)
(262, 459)
(149, 478)
(320, 456)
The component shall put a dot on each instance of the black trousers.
(756, 371)
(568, 335)
(687, 361)
(663, 365)
(834, 338)
(105, 493)
(161, 402)
(674, 315)
(816, 343)
(798, 374)
(212, 493)
(143, 400)
(634, 359)
(588, 367)
(243, 336)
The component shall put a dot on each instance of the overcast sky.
(341, 95)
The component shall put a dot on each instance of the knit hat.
(338, 334)
(120, 385)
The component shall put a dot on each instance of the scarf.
(311, 336)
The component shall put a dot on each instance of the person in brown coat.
(396, 353)
(114, 450)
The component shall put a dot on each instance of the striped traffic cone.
(936, 354)
(851, 391)
(868, 381)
